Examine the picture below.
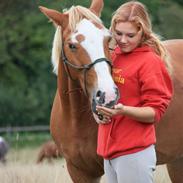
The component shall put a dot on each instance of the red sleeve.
(156, 86)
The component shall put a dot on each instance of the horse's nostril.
(102, 100)
(100, 97)
(98, 94)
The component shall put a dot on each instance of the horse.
(4, 147)
(84, 80)
(49, 151)
(169, 134)
(81, 59)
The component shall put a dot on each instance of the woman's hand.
(141, 114)
(108, 112)
(105, 119)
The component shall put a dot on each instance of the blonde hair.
(76, 14)
(136, 12)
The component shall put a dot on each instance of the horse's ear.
(55, 16)
(97, 6)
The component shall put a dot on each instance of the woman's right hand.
(105, 119)
(108, 112)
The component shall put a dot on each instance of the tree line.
(27, 84)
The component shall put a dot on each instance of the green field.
(19, 140)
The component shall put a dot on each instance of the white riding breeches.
(132, 168)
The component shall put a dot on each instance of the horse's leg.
(175, 170)
(78, 176)
(40, 157)
(3, 160)
(50, 160)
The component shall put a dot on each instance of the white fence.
(24, 129)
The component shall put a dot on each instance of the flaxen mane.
(76, 14)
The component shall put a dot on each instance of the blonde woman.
(126, 135)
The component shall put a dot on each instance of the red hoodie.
(142, 80)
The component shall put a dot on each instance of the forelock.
(76, 14)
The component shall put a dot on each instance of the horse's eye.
(72, 46)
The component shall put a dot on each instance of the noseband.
(83, 68)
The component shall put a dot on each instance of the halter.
(84, 68)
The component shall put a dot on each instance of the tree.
(27, 85)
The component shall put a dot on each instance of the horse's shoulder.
(175, 49)
(173, 43)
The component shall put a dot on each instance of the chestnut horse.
(4, 147)
(80, 57)
(84, 79)
(49, 151)
(169, 131)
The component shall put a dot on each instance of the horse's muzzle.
(100, 98)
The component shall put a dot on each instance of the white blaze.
(93, 44)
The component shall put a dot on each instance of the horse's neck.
(71, 94)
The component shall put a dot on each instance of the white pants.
(133, 168)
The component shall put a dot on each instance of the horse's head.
(81, 44)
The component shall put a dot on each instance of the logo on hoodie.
(117, 76)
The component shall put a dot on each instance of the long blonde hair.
(136, 12)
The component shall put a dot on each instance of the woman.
(126, 135)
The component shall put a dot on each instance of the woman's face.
(127, 36)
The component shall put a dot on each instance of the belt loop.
(110, 163)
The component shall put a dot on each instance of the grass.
(21, 166)
(21, 140)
